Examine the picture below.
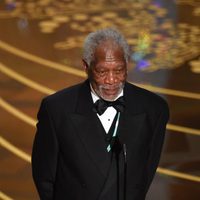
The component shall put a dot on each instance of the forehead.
(109, 52)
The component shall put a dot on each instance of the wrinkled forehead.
(109, 51)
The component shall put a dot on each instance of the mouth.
(111, 91)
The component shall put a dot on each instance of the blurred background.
(40, 53)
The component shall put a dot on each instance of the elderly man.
(100, 139)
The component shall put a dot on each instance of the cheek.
(124, 76)
(97, 80)
(121, 78)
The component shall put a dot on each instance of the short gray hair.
(94, 39)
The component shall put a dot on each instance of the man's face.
(108, 72)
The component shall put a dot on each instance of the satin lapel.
(130, 128)
(132, 120)
(90, 130)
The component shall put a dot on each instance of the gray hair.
(94, 39)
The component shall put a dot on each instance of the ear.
(129, 66)
(85, 66)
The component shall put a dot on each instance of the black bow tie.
(101, 105)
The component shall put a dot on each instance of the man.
(100, 139)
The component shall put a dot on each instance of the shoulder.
(65, 98)
(65, 93)
(146, 99)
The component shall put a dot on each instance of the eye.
(119, 71)
(101, 73)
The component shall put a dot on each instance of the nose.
(110, 78)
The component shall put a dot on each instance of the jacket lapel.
(132, 119)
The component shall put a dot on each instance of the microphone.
(116, 145)
(116, 149)
(124, 153)
(125, 168)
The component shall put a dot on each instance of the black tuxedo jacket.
(69, 158)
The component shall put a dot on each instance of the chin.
(109, 97)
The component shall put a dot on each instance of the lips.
(111, 91)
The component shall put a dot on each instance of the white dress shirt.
(108, 116)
